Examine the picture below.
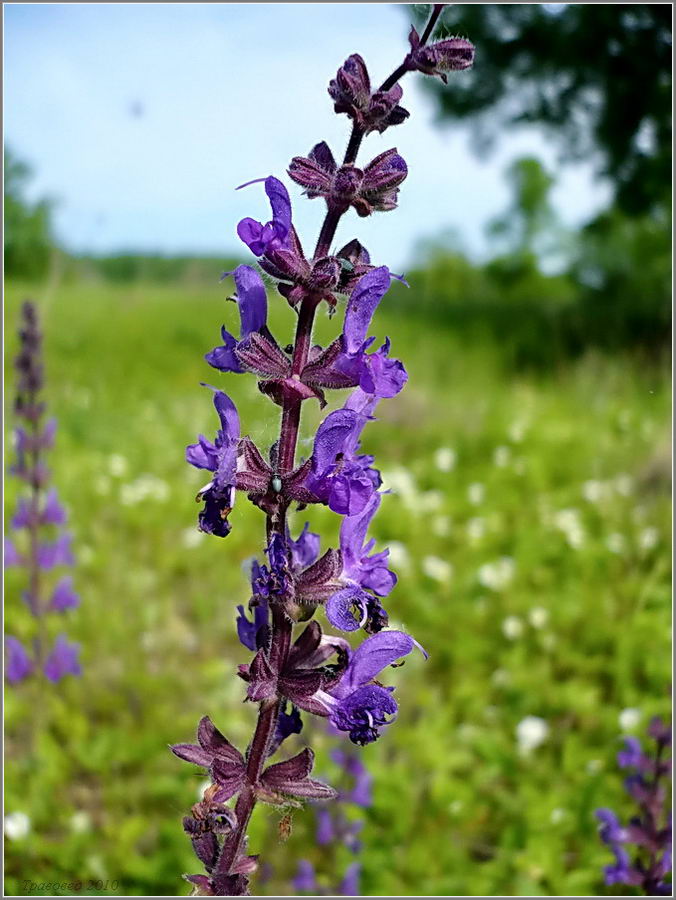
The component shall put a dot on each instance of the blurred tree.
(597, 77)
(28, 237)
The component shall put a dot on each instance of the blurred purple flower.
(18, 664)
(63, 660)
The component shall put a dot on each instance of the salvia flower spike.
(296, 669)
(38, 542)
(642, 848)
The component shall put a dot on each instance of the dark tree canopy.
(597, 76)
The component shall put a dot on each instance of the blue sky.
(227, 93)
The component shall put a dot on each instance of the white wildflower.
(191, 537)
(429, 501)
(441, 526)
(594, 766)
(538, 616)
(17, 826)
(445, 459)
(517, 431)
(615, 542)
(624, 484)
(399, 556)
(648, 538)
(501, 456)
(80, 822)
(437, 569)
(512, 627)
(530, 733)
(629, 719)
(476, 493)
(476, 528)
(568, 521)
(501, 677)
(557, 815)
(117, 465)
(497, 575)
(593, 491)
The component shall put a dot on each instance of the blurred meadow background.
(528, 457)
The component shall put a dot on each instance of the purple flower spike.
(57, 553)
(18, 664)
(305, 878)
(261, 239)
(53, 513)
(63, 596)
(349, 886)
(221, 459)
(253, 306)
(12, 556)
(450, 55)
(63, 660)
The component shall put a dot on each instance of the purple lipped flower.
(632, 755)
(56, 553)
(355, 704)
(355, 605)
(449, 55)
(340, 477)
(325, 833)
(288, 723)
(304, 550)
(18, 664)
(63, 660)
(253, 306)
(221, 459)
(351, 93)
(12, 557)
(260, 239)
(64, 596)
(345, 362)
(349, 886)
(248, 630)
(53, 512)
(305, 878)
(360, 794)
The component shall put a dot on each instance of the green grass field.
(529, 520)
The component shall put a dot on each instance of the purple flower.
(63, 660)
(373, 189)
(345, 363)
(304, 550)
(12, 557)
(351, 93)
(305, 878)
(53, 513)
(325, 832)
(18, 664)
(56, 553)
(272, 581)
(354, 606)
(274, 235)
(449, 55)
(288, 723)
(221, 459)
(248, 630)
(339, 477)
(349, 886)
(355, 704)
(632, 755)
(63, 596)
(360, 794)
(253, 306)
